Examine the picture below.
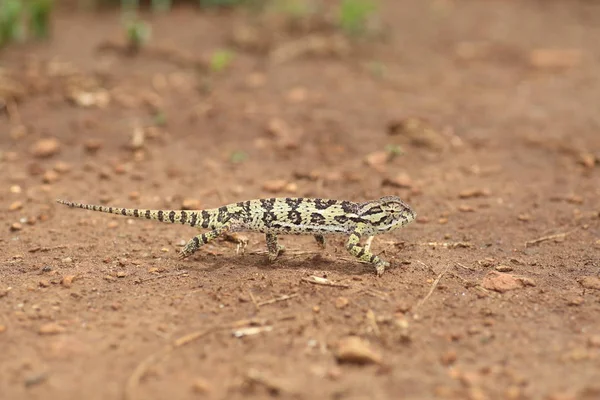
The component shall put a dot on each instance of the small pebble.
(341, 302)
(67, 260)
(201, 385)
(504, 268)
(377, 160)
(401, 180)
(500, 282)
(16, 227)
(62, 167)
(275, 186)
(471, 193)
(590, 282)
(190, 204)
(92, 145)
(16, 205)
(121, 274)
(353, 349)
(67, 281)
(448, 358)
(45, 148)
(2, 328)
(112, 224)
(50, 176)
(51, 328)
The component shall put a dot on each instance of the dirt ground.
(483, 116)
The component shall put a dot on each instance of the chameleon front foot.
(380, 267)
(189, 249)
(272, 256)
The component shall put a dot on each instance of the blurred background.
(482, 115)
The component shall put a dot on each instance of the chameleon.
(286, 215)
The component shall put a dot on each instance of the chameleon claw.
(380, 267)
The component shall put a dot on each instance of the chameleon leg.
(320, 241)
(363, 254)
(199, 240)
(273, 247)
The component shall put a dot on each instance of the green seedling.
(138, 33)
(11, 21)
(160, 118)
(394, 150)
(161, 5)
(221, 59)
(238, 157)
(39, 17)
(354, 15)
(221, 3)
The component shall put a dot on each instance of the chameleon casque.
(295, 216)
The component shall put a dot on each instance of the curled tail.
(191, 218)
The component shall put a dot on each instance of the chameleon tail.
(191, 218)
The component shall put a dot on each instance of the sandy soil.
(481, 115)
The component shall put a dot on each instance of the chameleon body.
(296, 216)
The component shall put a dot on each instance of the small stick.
(152, 278)
(376, 293)
(256, 305)
(546, 238)
(275, 300)
(324, 282)
(43, 249)
(433, 286)
(138, 373)
(273, 385)
(373, 322)
(464, 266)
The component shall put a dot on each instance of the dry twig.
(433, 286)
(138, 373)
(546, 238)
(324, 282)
(275, 300)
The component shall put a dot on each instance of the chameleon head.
(387, 213)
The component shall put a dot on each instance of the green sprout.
(238, 157)
(11, 23)
(296, 8)
(161, 5)
(39, 17)
(160, 118)
(220, 60)
(354, 15)
(220, 3)
(394, 150)
(138, 33)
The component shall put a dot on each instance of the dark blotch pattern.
(317, 219)
(340, 219)
(183, 217)
(294, 217)
(348, 206)
(172, 216)
(136, 213)
(268, 217)
(322, 204)
(148, 214)
(205, 219)
(294, 203)
(223, 214)
(267, 204)
(161, 215)
(194, 219)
